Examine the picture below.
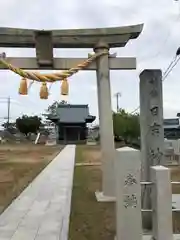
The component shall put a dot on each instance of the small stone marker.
(128, 194)
(161, 203)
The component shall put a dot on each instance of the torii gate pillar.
(105, 121)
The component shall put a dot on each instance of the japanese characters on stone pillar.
(128, 193)
(151, 124)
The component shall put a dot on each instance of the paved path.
(42, 211)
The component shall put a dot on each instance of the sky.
(155, 48)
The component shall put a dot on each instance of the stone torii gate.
(100, 40)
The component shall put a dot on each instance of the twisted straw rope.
(52, 77)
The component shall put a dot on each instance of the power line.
(168, 72)
(135, 110)
(16, 102)
(9, 103)
(170, 66)
(163, 44)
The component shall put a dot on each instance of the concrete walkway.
(42, 211)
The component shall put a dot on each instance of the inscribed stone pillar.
(152, 132)
(161, 203)
(105, 122)
(128, 192)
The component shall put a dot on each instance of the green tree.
(52, 108)
(28, 124)
(126, 125)
(119, 125)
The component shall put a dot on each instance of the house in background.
(171, 128)
(71, 122)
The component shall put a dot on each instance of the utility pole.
(8, 101)
(8, 114)
(177, 4)
(117, 95)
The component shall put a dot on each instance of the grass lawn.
(91, 220)
(19, 165)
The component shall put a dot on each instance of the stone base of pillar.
(100, 197)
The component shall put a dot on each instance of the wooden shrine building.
(71, 122)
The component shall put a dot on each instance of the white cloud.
(155, 48)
